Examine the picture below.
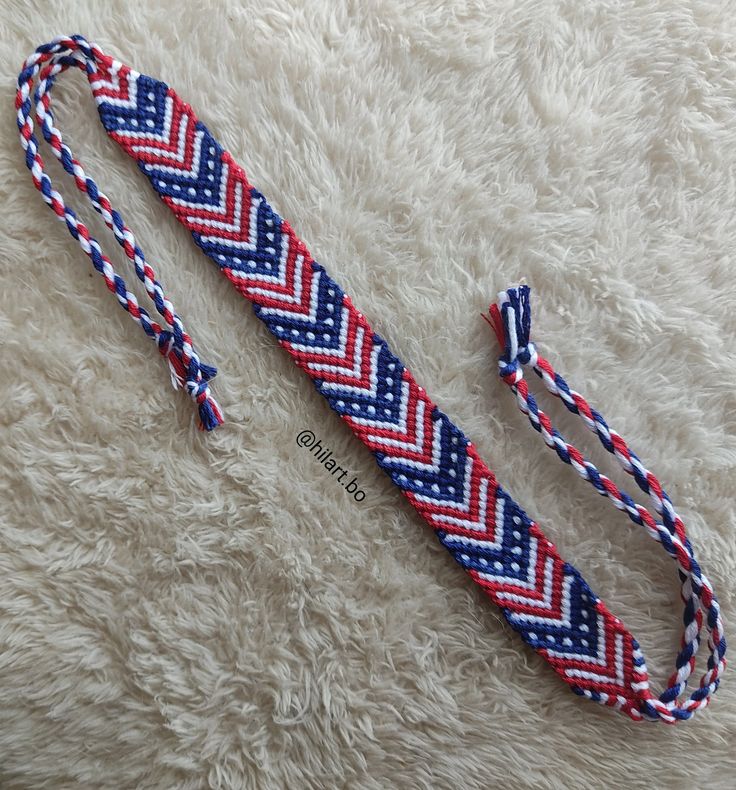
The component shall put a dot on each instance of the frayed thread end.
(510, 318)
(194, 379)
(210, 416)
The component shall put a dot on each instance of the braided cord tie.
(437, 468)
(511, 321)
(50, 60)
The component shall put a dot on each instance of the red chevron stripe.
(612, 630)
(185, 212)
(486, 532)
(538, 593)
(409, 436)
(276, 292)
(170, 145)
(363, 381)
(122, 92)
(236, 177)
(428, 509)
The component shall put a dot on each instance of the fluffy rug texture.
(189, 610)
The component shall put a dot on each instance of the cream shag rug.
(180, 610)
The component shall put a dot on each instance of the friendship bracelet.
(439, 470)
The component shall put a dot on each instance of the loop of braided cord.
(46, 63)
(511, 320)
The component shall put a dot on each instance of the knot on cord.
(510, 319)
(194, 377)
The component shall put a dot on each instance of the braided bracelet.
(545, 599)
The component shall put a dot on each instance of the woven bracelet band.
(545, 599)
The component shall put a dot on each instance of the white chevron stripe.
(434, 466)
(221, 208)
(401, 426)
(114, 85)
(166, 138)
(163, 137)
(464, 506)
(276, 279)
(309, 318)
(233, 226)
(479, 525)
(618, 679)
(294, 299)
(546, 602)
(531, 582)
(350, 367)
(412, 445)
(354, 371)
(340, 351)
(252, 243)
(177, 170)
(599, 659)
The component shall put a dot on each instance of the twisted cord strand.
(511, 320)
(172, 340)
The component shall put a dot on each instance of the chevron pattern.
(438, 469)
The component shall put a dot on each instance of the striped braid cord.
(511, 320)
(544, 599)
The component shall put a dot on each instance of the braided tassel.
(510, 319)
